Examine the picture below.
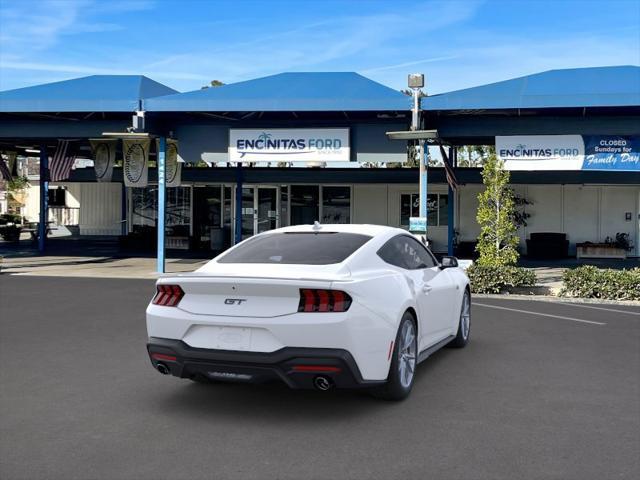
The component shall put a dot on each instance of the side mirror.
(448, 262)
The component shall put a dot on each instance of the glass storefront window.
(304, 204)
(144, 208)
(336, 205)
(443, 210)
(409, 207)
(437, 213)
(284, 206)
(432, 209)
(207, 217)
(178, 207)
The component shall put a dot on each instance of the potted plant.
(611, 247)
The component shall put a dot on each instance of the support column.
(423, 155)
(44, 198)
(162, 193)
(238, 225)
(453, 157)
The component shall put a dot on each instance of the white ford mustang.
(315, 306)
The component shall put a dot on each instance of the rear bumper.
(296, 367)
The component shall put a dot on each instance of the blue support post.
(424, 161)
(44, 198)
(162, 193)
(238, 225)
(450, 205)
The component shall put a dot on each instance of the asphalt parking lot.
(544, 390)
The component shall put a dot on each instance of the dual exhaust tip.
(163, 369)
(323, 383)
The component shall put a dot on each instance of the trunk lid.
(251, 290)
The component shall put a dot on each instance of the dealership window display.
(437, 209)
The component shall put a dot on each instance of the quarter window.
(406, 252)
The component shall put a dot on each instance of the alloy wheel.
(407, 354)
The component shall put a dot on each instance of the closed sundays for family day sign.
(289, 145)
(569, 152)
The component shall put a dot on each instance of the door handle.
(426, 288)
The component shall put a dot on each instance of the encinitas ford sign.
(541, 152)
(289, 145)
(569, 152)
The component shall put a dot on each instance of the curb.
(554, 299)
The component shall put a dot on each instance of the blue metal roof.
(96, 93)
(577, 87)
(300, 91)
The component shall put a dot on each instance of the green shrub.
(592, 282)
(494, 279)
(10, 218)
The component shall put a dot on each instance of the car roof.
(363, 229)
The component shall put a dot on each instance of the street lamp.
(416, 83)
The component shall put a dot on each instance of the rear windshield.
(300, 248)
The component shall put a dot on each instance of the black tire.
(394, 389)
(462, 336)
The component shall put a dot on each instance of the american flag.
(4, 170)
(61, 162)
(448, 170)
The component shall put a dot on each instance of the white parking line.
(538, 313)
(600, 308)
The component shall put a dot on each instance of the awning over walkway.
(96, 93)
(289, 92)
(569, 88)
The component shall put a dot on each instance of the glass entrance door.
(259, 210)
(267, 207)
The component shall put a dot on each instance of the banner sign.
(611, 153)
(104, 156)
(136, 161)
(569, 152)
(289, 145)
(173, 167)
(541, 152)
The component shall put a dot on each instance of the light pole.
(416, 83)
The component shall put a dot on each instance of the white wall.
(100, 208)
(584, 213)
(581, 214)
(615, 202)
(468, 228)
(369, 204)
(31, 209)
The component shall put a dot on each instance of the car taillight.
(314, 300)
(168, 295)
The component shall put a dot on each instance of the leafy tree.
(497, 243)
(213, 83)
(474, 155)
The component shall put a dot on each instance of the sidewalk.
(95, 267)
(102, 257)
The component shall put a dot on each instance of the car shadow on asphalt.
(276, 402)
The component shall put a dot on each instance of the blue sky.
(185, 44)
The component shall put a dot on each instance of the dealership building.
(298, 147)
